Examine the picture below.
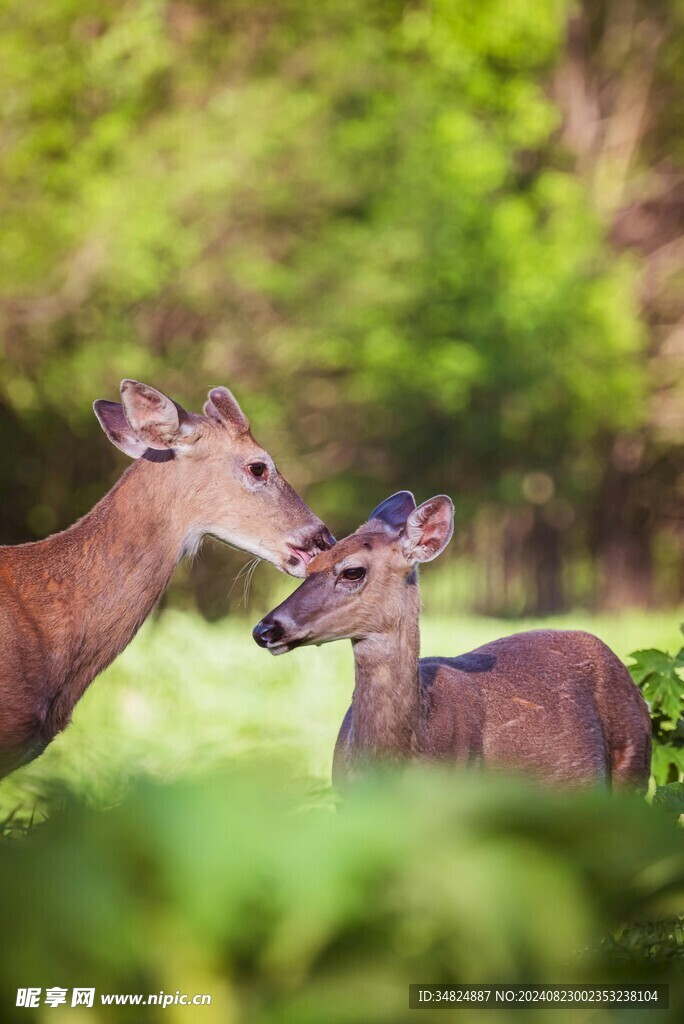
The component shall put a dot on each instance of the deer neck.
(386, 701)
(103, 576)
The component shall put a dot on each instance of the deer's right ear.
(117, 428)
(395, 510)
(429, 529)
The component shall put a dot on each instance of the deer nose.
(267, 631)
(324, 539)
(320, 539)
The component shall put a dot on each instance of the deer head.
(226, 484)
(363, 585)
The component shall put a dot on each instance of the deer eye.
(258, 469)
(356, 573)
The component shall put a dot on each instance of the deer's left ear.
(429, 529)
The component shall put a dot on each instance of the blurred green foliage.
(288, 911)
(360, 218)
(368, 220)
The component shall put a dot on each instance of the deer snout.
(307, 546)
(325, 539)
(268, 631)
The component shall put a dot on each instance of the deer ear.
(117, 428)
(429, 529)
(223, 408)
(395, 510)
(154, 419)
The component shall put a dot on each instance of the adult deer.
(556, 704)
(71, 603)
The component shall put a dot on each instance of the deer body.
(71, 603)
(557, 705)
(554, 704)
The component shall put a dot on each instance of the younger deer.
(71, 603)
(553, 703)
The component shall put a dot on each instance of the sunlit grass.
(189, 697)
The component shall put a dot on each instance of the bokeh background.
(429, 245)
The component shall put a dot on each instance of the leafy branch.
(660, 677)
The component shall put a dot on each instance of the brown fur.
(362, 540)
(557, 705)
(582, 719)
(71, 603)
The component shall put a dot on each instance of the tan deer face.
(359, 587)
(227, 484)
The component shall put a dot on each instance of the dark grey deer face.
(359, 587)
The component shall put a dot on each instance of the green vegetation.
(286, 911)
(659, 675)
(433, 245)
(193, 843)
(188, 698)
(381, 225)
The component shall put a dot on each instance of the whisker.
(249, 576)
(243, 571)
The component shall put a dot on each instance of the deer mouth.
(301, 557)
(302, 554)
(276, 649)
(282, 646)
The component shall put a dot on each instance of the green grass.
(189, 697)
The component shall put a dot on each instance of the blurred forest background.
(429, 245)
(435, 245)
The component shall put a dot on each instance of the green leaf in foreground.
(657, 673)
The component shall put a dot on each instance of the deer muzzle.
(270, 634)
(306, 547)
